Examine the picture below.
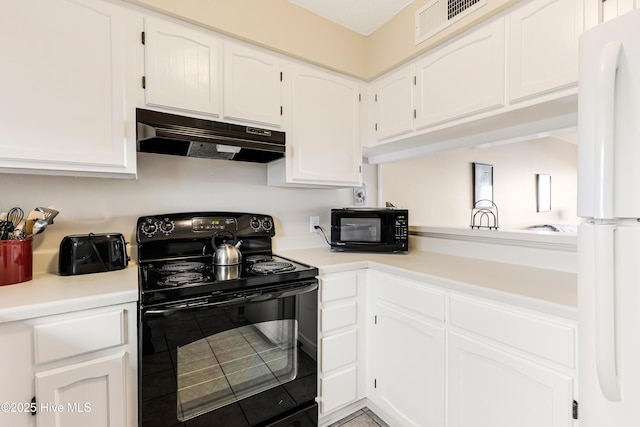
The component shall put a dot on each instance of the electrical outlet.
(313, 221)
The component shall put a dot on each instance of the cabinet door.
(63, 108)
(16, 373)
(393, 104)
(252, 85)
(323, 143)
(407, 367)
(489, 387)
(461, 78)
(181, 68)
(543, 53)
(83, 394)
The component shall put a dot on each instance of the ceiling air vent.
(437, 15)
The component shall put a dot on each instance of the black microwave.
(369, 230)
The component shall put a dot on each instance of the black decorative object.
(481, 214)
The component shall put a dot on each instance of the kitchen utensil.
(226, 253)
(48, 213)
(32, 217)
(38, 226)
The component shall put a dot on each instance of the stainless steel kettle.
(226, 253)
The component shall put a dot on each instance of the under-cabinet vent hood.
(172, 134)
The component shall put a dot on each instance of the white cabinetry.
(341, 340)
(252, 85)
(507, 367)
(543, 46)
(492, 387)
(323, 144)
(182, 67)
(392, 97)
(64, 107)
(461, 78)
(406, 348)
(84, 364)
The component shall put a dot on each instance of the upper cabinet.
(252, 85)
(543, 48)
(462, 78)
(323, 144)
(182, 68)
(392, 97)
(510, 77)
(65, 70)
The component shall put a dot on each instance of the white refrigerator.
(609, 238)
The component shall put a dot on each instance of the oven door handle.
(170, 309)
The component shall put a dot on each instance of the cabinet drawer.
(339, 350)
(545, 338)
(338, 286)
(72, 337)
(338, 316)
(412, 296)
(338, 389)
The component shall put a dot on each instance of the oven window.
(235, 364)
(361, 229)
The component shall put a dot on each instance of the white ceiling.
(361, 16)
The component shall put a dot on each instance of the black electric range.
(187, 303)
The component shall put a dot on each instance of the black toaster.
(92, 253)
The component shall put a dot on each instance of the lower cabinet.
(341, 335)
(440, 358)
(494, 388)
(72, 369)
(407, 360)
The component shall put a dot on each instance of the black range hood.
(172, 134)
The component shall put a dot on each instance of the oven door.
(240, 360)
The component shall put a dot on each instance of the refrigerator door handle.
(604, 129)
(605, 334)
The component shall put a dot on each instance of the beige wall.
(438, 189)
(286, 28)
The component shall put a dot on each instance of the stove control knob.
(167, 226)
(149, 228)
(255, 224)
(267, 224)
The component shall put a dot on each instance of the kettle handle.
(231, 233)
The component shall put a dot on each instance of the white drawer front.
(338, 316)
(338, 389)
(339, 350)
(536, 335)
(71, 337)
(412, 296)
(338, 286)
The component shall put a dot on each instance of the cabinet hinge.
(415, 80)
(144, 82)
(375, 319)
(280, 75)
(34, 407)
(415, 114)
(359, 97)
(376, 126)
(142, 37)
(375, 97)
(575, 410)
(375, 383)
(281, 110)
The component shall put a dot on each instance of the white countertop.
(48, 294)
(549, 291)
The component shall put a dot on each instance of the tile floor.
(362, 418)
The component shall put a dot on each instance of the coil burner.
(271, 267)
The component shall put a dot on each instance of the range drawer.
(540, 336)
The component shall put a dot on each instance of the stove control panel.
(200, 225)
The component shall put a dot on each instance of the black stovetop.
(175, 254)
